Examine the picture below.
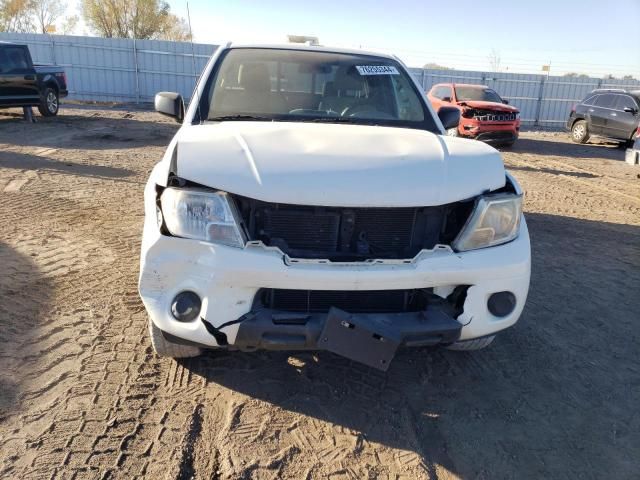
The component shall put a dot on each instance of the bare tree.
(494, 60)
(15, 16)
(46, 13)
(69, 25)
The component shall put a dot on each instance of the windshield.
(465, 94)
(302, 85)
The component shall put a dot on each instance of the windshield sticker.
(377, 70)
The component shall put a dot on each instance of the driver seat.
(347, 90)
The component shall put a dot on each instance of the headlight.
(201, 215)
(495, 220)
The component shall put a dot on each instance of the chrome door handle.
(614, 115)
(591, 109)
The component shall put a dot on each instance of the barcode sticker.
(377, 70)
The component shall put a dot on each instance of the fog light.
(186, 306)
(501, 304)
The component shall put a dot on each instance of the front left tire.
(50, 103)
(580, 132)
(165, 348)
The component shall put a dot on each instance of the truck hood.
(480, 105)
(336, 164)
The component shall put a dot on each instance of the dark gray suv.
(608, 113)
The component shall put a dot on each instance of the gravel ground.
(83, 396)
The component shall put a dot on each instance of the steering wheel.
(365, 111)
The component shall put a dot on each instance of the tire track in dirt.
(87, 398)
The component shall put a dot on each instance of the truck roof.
(312, 48)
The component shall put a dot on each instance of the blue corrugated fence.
(125, 70)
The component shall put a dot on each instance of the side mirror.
(170, 104)
(446, 99)
(506, 102)
(630, 110)
(449, 116)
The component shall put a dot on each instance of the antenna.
(193, 63)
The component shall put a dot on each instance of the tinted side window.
(623, 101)
(13, 60)
(589, 100)
(606, 101)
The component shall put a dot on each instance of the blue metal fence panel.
(124, 70)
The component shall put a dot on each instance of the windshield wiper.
(231, 118)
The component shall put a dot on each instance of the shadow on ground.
(104, 129)
(552, 171)
(548, 146)
(551, 397)
(24, 303)
(21, 161)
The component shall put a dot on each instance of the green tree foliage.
(143, 19)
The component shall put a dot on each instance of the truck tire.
(580, 132)
(50, 103)
(165, 348)
(468, 345)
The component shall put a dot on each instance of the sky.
(585, 36)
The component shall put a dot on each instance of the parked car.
(311, 200)
(23, 84)
(611, 114)
(485, 115)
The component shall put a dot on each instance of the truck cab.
(23, 84)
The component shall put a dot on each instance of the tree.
(175, 29)
(494, 60)
(15, 16)
(143, 19)
(46, 12)
(69, 25)
(628, 77)
(435, 66)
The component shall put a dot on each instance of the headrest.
(348, 79)
(255, 77)
(329, 89)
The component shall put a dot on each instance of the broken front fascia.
(422, 255)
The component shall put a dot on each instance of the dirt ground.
(83, 396)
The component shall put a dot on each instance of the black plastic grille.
(300, 230)
(349, 233)
(380, 301)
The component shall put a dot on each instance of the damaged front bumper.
(228, 280)
(369, 338)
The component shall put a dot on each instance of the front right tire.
(165, 348)
(580, 132)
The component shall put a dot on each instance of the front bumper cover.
(369, 338)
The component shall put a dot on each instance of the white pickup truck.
(311, 200)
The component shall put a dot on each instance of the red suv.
(484, 114)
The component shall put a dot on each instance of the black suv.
(608, 113)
